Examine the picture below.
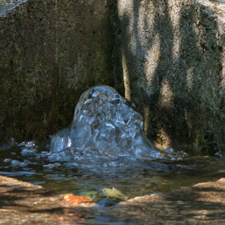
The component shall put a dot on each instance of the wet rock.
(15, 163)
(49, 166)
(28, 151)
(23, 164)
(7, 160)
(104, 124)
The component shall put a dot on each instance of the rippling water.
(28, 162)
(105, 146)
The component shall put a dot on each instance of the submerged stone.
(105, 125)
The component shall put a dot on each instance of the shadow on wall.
(50, 52)
(171, 60)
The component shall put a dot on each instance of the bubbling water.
(105, 125)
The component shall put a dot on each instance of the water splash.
(105, 125)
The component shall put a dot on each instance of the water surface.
(135, 178)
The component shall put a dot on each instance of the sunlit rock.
(105, 125)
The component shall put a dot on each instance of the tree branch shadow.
(176, 92)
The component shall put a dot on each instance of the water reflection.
(139, 177)
(105, 147)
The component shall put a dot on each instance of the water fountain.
(105, 125)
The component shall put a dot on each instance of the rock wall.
(170, 53)
(172, 59)
(50, 52)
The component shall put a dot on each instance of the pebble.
(26, 151)
(15, 163)
(7, 160)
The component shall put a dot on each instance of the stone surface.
(50, 52)
(170, 52)
(172, 58)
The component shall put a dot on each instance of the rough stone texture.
(171, 54)
(172, 57)
(50, 52)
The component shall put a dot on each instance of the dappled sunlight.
(124, 13)
(174, 11)
(166, 95)
(152, 58)
(174, 60)
(190, 78)
(126, 77)
(171, 60)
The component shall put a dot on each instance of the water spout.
(104, 125)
